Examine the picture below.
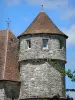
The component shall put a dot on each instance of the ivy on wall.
(69, 73)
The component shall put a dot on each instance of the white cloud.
(71, 33)
(12, 2)
(69, 13)
(66, 11)
(72, 94)
(64, 7)
(51, 4)
(26, 19)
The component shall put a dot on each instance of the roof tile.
(11, 71)
(42, 24)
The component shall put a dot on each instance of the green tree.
(69, 72)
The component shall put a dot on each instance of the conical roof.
(42, 24)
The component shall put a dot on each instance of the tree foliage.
(69, 72)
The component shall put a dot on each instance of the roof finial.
(8, 23)
(42, 8)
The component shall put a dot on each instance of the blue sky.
(62, 13)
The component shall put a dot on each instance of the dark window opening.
(28, 44)
(11, 39)
(61, 45)
(45, 43)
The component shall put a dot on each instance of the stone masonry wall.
(40, 79)
(2, 91)
(9, 90)
(37, 51)
(12, 90)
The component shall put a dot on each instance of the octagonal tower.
(39, 78)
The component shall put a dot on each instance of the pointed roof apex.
(43, 24)
(8, 23)
(42, 8)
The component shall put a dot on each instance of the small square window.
(28, 44)
(45, 43)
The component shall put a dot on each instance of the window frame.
(28, 44)
(45, 44)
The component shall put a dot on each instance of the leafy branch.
(68, 73)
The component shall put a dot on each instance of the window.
(11, 39)
(28, 44)
(61, 45)
(45, 43)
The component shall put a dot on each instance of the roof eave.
(42, 33)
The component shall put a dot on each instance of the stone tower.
(39, 78)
